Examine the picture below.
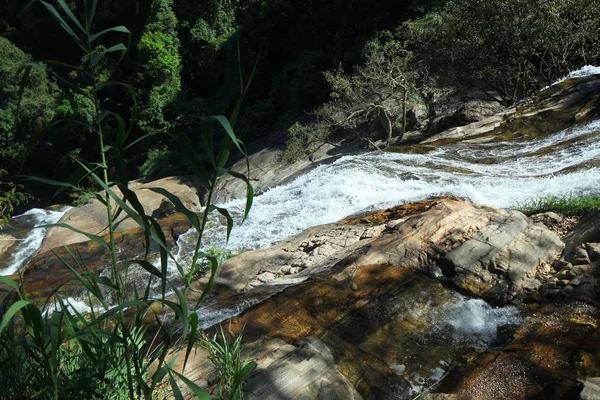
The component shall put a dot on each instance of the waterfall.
(29, 245)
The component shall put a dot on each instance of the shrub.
(510, 47)
(162, 162)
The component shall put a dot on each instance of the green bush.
(162, 162)
(510, 48)
(161, 66)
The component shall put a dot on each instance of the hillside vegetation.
(355, 64)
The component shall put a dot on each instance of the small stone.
(580, 256)
(532, 285)
(559, 265)
(266, 277)
(582, 280)
(566, 274)
(591, 389)
(552, 292)
(486, 278)
(550, 285)
(562, 283)
(285, 270)
(394, 223)
(593, 250)
(568, 289)
(580, 269)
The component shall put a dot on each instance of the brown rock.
(45, 272)
(538, 362)
(92, 217)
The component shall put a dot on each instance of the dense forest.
(338, 62)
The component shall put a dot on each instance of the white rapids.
(501, 174)
(33, 219)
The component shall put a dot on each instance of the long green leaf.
(192, 216)
(241, 377)
(70, 14)
(224, 213)
(64, 25)
(120, 29)
(9, 282)
(174, 387)
(249, 191)
(196, 390)
(18, 305)
(117, 47)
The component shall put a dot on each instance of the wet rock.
(587, 230)
(486, 251)
(91, 217)
(559, 265)
(45, 272)
(538, 363)
(305, 370)
(510, 245)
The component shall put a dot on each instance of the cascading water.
(30, 244)
(501, 174)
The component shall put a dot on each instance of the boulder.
(551, 110)
(46, 272)
(491, 253)
(92, 218)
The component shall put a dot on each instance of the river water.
(503, 174)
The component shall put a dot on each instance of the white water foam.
(32, 242)
(476, 322)
(586, 70)
(499, 174)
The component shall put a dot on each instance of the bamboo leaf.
(200, 393)
(249, 191)
(70, 14)
(64, 25)
(148, 267)
(18, 305)
(224, 213)
(119, 29)
(117, 47)
(192, 216)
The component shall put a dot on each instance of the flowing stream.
(503, 174)
(32, 238)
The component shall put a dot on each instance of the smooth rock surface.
(92, 217)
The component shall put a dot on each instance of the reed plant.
(55, 351)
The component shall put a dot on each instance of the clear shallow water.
(500, 174)
(30, 244)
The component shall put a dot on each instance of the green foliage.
(219, 254)
(11, 196)
(61, 353)
(374, 95)
(162, 162)
(568, 205)
(36, 106)
(303, 139)
(161, 66)
(512, 47)
(226, 354)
